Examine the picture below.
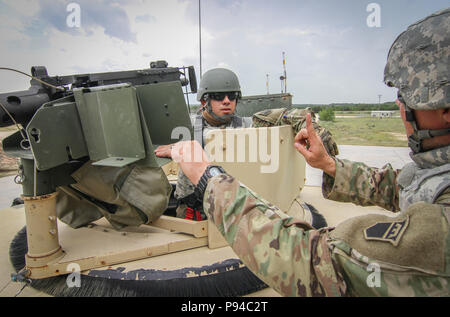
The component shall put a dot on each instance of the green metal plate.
(116, 161)
(150, 159)
(11, 146)
(111, 124)
(164, 108)
(55, 134)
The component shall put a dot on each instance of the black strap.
(198, 129)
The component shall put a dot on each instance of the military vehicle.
(249, 105)
(112, 122)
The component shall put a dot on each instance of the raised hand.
(309, 144)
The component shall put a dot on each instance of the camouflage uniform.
(184, 185)
(411, 252)
(297, 119)
(372, 255)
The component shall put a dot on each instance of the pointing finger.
(309, 125)
(301, 136)
(302, 149)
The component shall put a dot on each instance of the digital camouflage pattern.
(425, 179)
(365, 186)
(431, 159)
(408, 67)
(297, 119)
(424, 184)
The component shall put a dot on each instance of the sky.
(335, 50)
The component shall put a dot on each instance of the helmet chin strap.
(415, 139)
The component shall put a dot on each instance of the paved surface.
(8, 191)
(13, 219)
(375, 156)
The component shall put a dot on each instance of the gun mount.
(23, 104)
(107, 124)
(105, 127)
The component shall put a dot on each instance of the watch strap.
(203, 182)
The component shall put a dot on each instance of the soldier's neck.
(211, 120)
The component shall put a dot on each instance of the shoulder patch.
(387, 231)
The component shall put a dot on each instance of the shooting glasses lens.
(219, 96)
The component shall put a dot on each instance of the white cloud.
(277, 36)
(90, 49)
(331, 54)
(28, 8)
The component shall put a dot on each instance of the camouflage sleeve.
(362, 185)
(297, 119)
(282, 251)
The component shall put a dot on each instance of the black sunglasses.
(219, 96)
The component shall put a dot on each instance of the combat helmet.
(418, 65)
(218, 80)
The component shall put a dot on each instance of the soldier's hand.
(164, 151)
(191, 158)
(309, 144)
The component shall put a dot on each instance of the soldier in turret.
(219, 93)
(407, 254)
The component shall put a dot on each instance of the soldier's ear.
(446, 115)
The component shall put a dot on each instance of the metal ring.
(19, 179)
(23, 142)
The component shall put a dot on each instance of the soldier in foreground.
(373, 255)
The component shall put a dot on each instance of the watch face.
(214, 171)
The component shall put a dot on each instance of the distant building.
(382, 114)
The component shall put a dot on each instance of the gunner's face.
(223, 103)
(223, 107)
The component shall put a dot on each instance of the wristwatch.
(210, 172)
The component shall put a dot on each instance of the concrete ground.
(9, 191)
(375, 156)
(13, 219)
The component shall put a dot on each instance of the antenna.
(285, 76)
(200, 34)
(267, 83)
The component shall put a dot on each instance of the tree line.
(349, 106)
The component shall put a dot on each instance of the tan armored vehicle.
(87, 166)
